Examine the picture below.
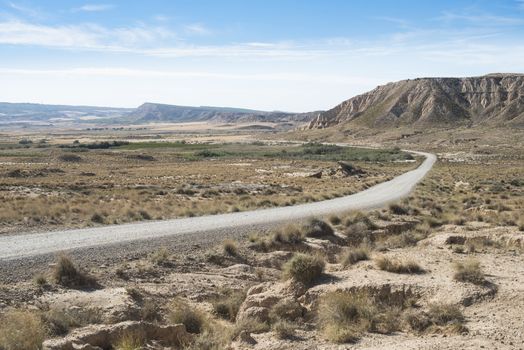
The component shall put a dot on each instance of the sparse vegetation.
(68, 275)
(317, 228)
(21, 330)
(284, 329)
(398, 266)
(130, 341)
(193, 319)
(230, 247)
(304, 268)
(469, 271)
(160, 257)
(344, 316)
(228, 303)
(353, 255)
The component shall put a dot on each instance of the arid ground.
(442, 269)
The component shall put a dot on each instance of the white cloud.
(94, 7)
(197, 28)
(82, 36)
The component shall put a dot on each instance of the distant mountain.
(33, 112)
(494, 99)
(155, 112)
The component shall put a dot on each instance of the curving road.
(113, 239)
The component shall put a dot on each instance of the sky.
(288, 55)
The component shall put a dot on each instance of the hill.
(494, 99)
(155, 112)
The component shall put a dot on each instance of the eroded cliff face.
(495, 99)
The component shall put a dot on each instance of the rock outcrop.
(495, 99)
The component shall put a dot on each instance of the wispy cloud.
(25, 10)
(197, 28)
(400, 22)
(483, 19)
(465, 46)
(94, 7)
(82, 36)
(145, 73)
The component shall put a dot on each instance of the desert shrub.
(345, 316)
(353, 255)
(149, 311)
(398, 209)
(475, 244)
(70, 158)
(358, 233)
(130, 341)
(209, 340)
(230, 247)
(60, 321)
(438, 315)
(442, 314)
(68, 275)
(97, 218)
(397, 266)
(405, 239)
(284, 329)
(160, 257)
(181, 312)
(469, 271)
(135, 293)
(359, 217)
(285, 309)
(417, 320)
(21, 330)
(250, 325)
(317, 228)
(289, 234)
(304, 268)
(40, 280)
(335, 220)
(227, 305)
(145, 215)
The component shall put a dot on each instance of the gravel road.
(29, 252)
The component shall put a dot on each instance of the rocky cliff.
(494, 99)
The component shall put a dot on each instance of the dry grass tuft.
(130, 341)
(284, 329)
(160, 257)
(289, 234)
(287, 310)
(227, 305)
(345, 315)
(353, 255)
(304, 268)
(317, 228)
(181, 312)
(68, 275)
(230, 247)
(21, 330)
(439, 317)
(396, 266)
(469, 271)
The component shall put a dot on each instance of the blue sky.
(273, 55)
